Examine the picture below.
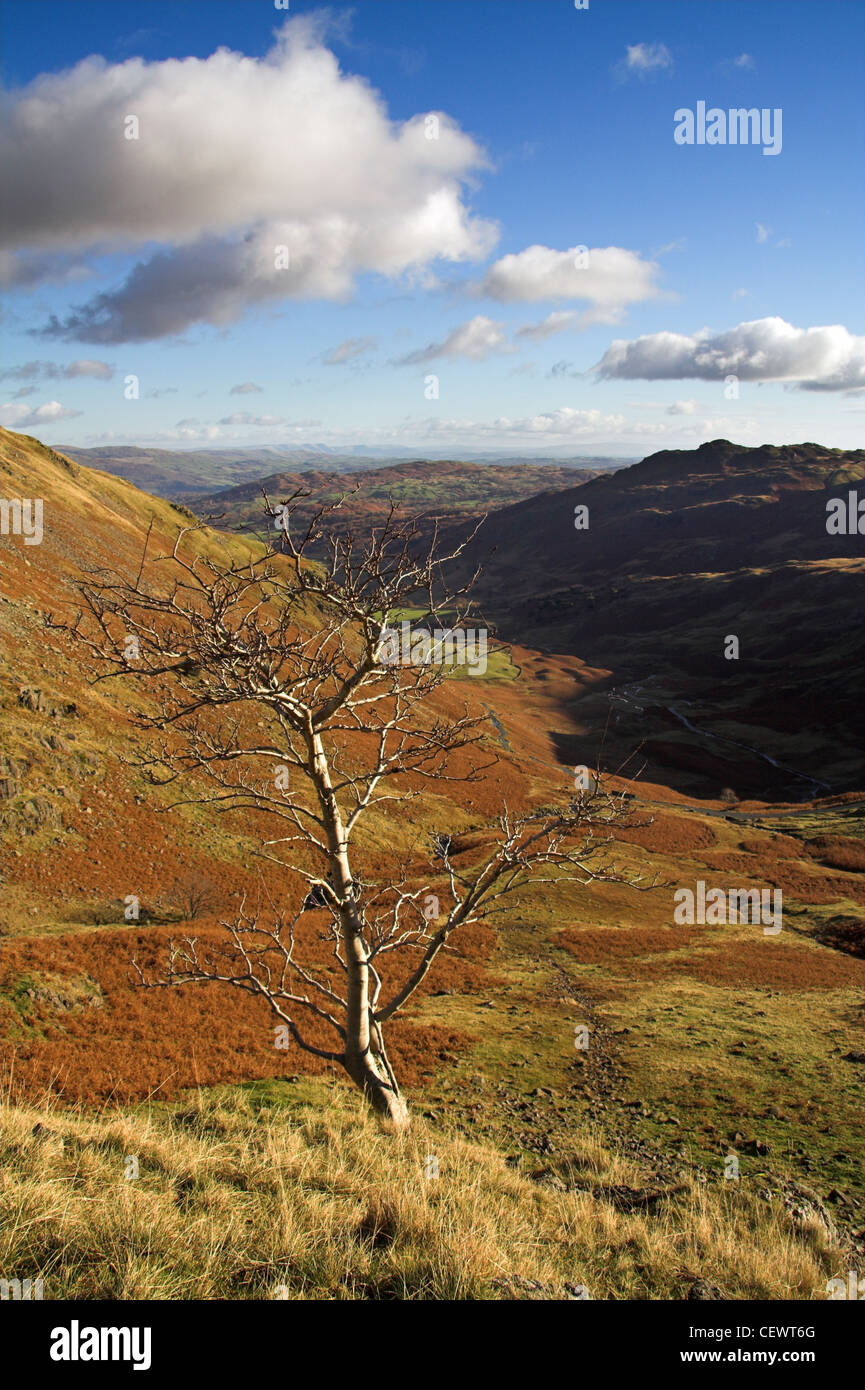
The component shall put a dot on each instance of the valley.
(432, 755)
(703, 1041)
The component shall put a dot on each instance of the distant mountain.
(445, 491)
(682, 552)
(182, 473)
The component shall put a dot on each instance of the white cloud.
(680, 244)
(100, 371)
(744, 60)
(554, 323)
(349, 351)
(819, 359)
(607, 277)
(244, 388)
(763, 232)
(567, 421)
(236, 157)
(552, 426)
(645, 58)
(242, 417)
(52, 371)
(17, 417)
(682, 408)
(194, 431)
(739, 429)
(475, 340)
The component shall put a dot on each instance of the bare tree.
(340, 728)
(196, 896)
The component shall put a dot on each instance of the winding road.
(627, 695)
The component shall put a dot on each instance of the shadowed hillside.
(673, 556)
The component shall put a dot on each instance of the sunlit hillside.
(561, 1166)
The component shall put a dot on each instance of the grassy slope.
(287, 1192)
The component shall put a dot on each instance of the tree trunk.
(383, 1095)
(365, 1057)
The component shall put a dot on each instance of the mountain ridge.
(182, 473)
(679, 552)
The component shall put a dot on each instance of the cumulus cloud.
(642, 59)
(244, 388)
(349, 351)
(52, 371)
(609, 278)
(682, 408)
(770, 349)
(475, 340)
(19, 417)
(260, 179)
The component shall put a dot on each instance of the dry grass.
(838, 852)
(140, 1043)
(241, 1198)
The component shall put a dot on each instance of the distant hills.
(679, 553)
(444, 491)
(182, 473)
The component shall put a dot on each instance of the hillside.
(443, 491)
(180, 474)
(697, 1045)
(283, 1194)
(680, 552)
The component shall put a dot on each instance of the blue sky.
(433, 169)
